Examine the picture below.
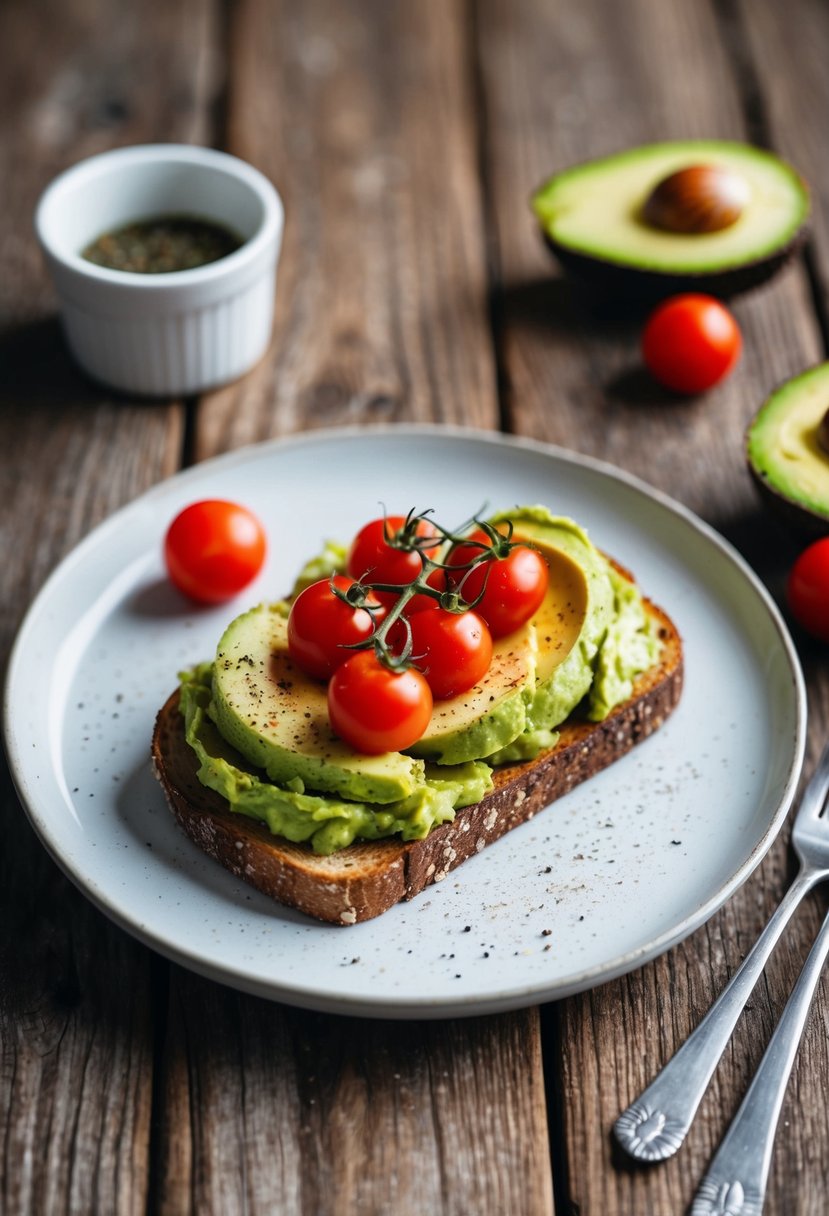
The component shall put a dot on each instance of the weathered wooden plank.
(561, 84)
(783, 64)
(76, 1032)
(363, 117)
(296, 1112)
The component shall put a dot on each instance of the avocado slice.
(277, 717)
(787, 453)
(567, 549)
(485, 719)
(545, 663)
(599, 220)
(326, 822)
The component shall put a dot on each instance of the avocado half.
(786, 453)
(593, 218)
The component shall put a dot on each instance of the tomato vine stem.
(450, 599)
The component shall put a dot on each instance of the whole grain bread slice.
(366, 879)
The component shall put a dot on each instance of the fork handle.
(655, 1125)
(736, 1179)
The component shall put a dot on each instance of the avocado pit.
(698, 199)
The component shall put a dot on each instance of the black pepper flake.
(467, 928)
(676, 842)
(546, 932)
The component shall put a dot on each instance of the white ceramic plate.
(609, 877)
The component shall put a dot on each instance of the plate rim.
(388, 1006)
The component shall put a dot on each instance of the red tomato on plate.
(321, 626)
(379, 553)
(375, 709)
(453, 650)
(513, 586)
(213, 549)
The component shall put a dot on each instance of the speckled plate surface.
(605, 879)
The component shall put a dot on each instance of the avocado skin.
(602, 278)
(793, 516)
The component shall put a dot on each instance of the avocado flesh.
(784, 452)
(594, 210)
(490, 715)
(326, 823)
(277, 717)
(564, 683)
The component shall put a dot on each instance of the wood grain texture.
(295, 1113)
(558, 89)
(783, 50)
(76, 1025)
(363, 117)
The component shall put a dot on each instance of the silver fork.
(737, 1176)
(655, 1125)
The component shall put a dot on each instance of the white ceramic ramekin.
(163, 334)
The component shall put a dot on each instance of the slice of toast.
(363, 880)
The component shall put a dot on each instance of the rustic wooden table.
(405, 139)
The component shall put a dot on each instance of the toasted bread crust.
(364, 880)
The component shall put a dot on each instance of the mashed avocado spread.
(260, 731)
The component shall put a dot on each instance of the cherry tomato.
(372, 557)
(320, 625)
(375, 709)
(808, 589)
(690, 342)
(513, 586)
(213, 549)
(453, 650)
